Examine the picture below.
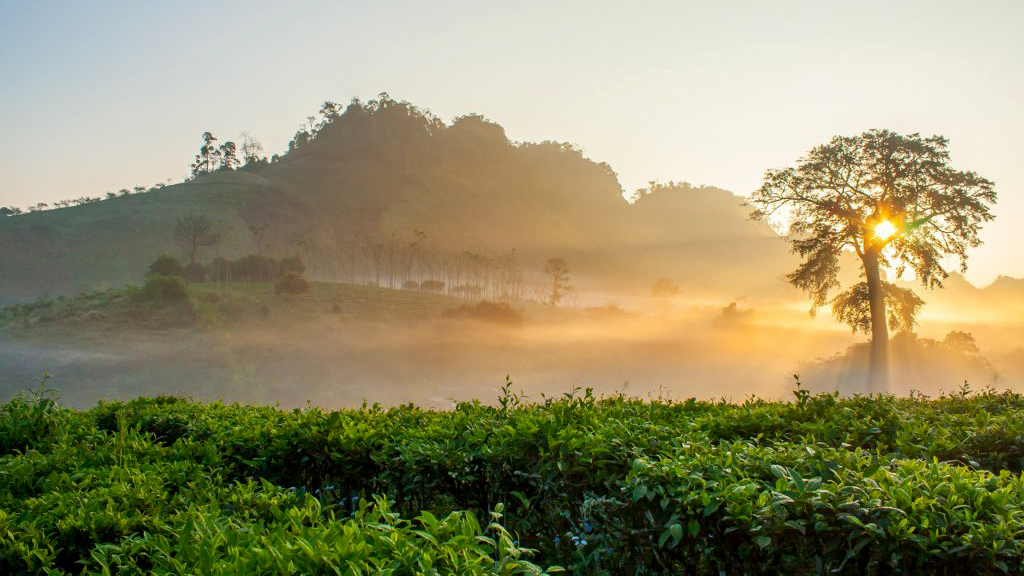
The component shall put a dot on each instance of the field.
(609, 485)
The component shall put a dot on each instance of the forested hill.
(383, 173)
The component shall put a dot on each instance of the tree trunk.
(878, 371)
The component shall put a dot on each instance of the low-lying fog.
(673, 351)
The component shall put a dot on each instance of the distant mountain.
(385, 175)
(1003, 300)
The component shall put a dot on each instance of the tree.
(962, 342)
(665, 288)
(207, 159)
(195, 231)
(228, 155)
(251, 150)
(891, 199)
(559, 272)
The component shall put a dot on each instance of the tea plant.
(823, 484)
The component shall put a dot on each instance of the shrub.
(195, 272)
(292, 264)
(165, 265)
(291, 283)
(432, 286)
(602, 486)
(410, 285)
(160, 288)
(500, 313)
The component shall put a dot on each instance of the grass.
(237, 305)
(110, 243)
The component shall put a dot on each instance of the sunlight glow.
(884, 230)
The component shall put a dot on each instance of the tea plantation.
(819, 485)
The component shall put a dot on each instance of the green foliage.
(496, 312)
(160, 288)
(853, 307)
(291, 283)
(862, 485)
(166, 265)
(194, 272)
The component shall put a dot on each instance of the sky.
(100, 96)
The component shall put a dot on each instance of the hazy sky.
(97, 96)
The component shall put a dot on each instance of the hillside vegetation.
(386, 173)
(865, 485)
(238, 305)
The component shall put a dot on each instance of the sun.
(885, 230)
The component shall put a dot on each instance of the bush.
(292, 264)
(160, 288)
(165, 265)
(432, 286)
(195, 272)
(500, 313)
(291, 283)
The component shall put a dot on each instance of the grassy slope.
(235, 305)
(110, 243)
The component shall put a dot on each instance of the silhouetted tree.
(853, 307)
(228, 156)
(894, 201)
(665, 288)
(208, 158)
(961, 341)
(252, 150)
(195, 231)
(559, 272)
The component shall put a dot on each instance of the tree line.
(397, 261)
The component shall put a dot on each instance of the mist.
(289, 354)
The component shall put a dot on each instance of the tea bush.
(615, 485)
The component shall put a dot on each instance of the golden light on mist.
(885, 230)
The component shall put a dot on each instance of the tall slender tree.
(208, 158)
(558, 269)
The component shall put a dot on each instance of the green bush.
(194, 272)
(166, 265)
(160, 288)
(291, 283)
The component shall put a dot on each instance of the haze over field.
(598, 205)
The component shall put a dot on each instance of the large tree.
(195, 231)
(896, 202)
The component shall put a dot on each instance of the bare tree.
(195, 231)
(252, 149)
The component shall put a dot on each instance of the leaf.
(763, 541)
(639, 492)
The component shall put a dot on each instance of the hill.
(382, 176)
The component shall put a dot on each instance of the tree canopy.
(892, 199)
